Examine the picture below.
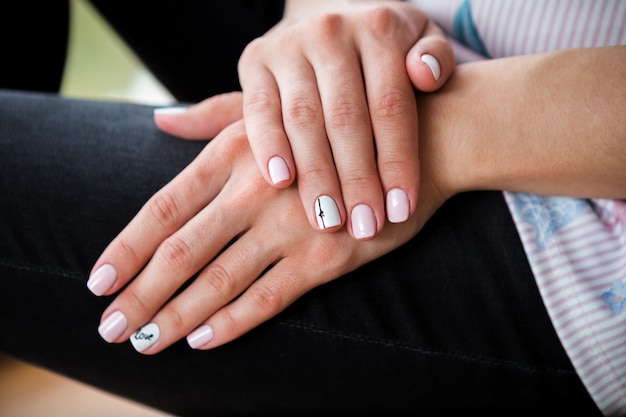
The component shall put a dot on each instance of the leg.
(192, 46)
(450, 321)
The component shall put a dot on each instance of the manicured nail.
(433, 64)
(278, 169)
(169, 110)
(397, 206)
(200, 337)
(363, 222)
(145, 337)
(102, 280)
(113, 326)
(327, 212)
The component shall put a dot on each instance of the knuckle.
(177, 253)
(391, 104)
(302, 111)
(139, 301)
(128, 249)
(328, 26)
(345, 113)
(267, 300)
(313, 172)
(380, 21)
(398, 167)
(359, 182)
(164, 209)
(251, 52)
(260, 100)
(175, 318)
(219, 280)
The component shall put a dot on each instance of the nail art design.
(145, 337)
(433, 64)
(326, 212)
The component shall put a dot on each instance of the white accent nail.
(145, 337)
(170, 110)
(433, 64)
(327, 212)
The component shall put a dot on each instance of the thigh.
(451, 320)
(192, 46)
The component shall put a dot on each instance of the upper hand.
(328, 96)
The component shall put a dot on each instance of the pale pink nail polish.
(201, 336)
(363, 222)
(102, 280)
(278, 169)
(397, 206)
(433, 64)
(113, 326)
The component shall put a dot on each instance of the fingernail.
(397, 206)
(102, 280)
(278, 169)
(363, 222)
(433, 64)
(169, 110)
(145, 337)
(327, 212)
(113, 326)
(201, 336)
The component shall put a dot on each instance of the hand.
(327, 95)
(239, 242)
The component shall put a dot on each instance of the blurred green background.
(100, 65)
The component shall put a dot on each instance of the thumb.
(203, 120)
(430, 62)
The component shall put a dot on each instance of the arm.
(496, 125)
(550, 123)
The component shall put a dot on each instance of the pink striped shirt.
(576, 248)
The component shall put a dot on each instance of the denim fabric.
(449, 322)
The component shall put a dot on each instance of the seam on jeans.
(40, 269)
(405, 346)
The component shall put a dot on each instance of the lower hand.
(244, 246)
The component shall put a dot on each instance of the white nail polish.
(145, 337)
(433, 64)
(326, 212)
(170, 110)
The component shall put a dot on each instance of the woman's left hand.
(246, 247)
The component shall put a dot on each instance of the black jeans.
(449, 322)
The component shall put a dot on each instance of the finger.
(220, 282)
(393, 112)
(203, 120)
(430, 62)
(263, 119)
(349, 133)
(264, 299)
(178, 258)
(161, 216)
(304, 124)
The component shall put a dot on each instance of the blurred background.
(99, 66)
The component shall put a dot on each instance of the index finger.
(165, 212)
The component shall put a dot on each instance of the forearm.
(297, 9)
(547, 124)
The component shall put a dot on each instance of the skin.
(549, 123)
(336, 103)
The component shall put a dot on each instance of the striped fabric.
(576, 248)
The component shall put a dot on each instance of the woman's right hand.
(326, 94)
